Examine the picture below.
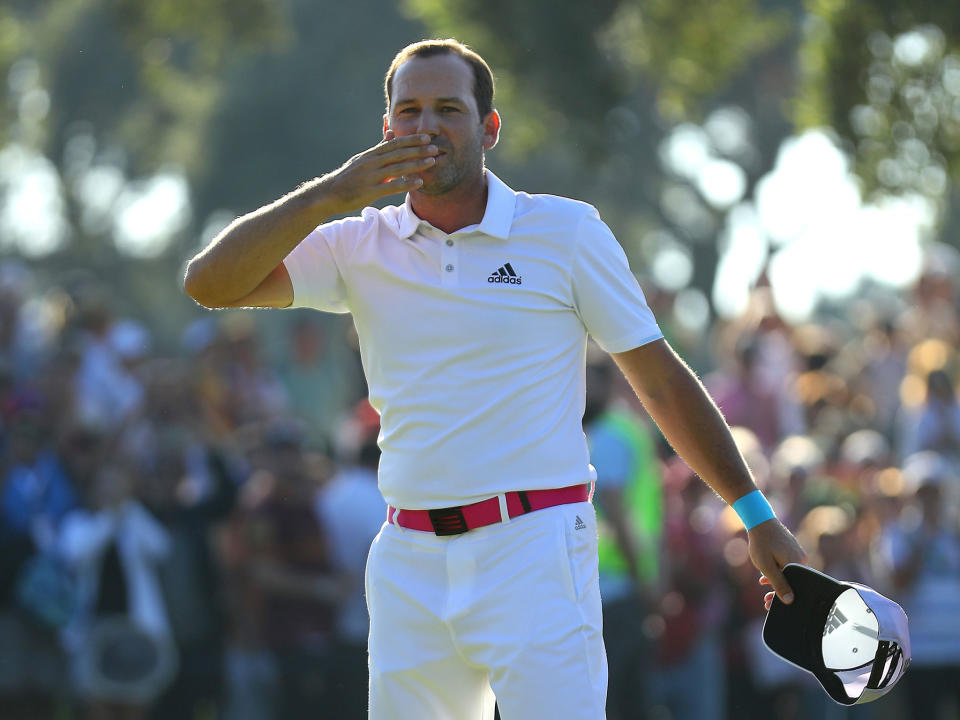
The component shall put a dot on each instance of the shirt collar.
(497, 218)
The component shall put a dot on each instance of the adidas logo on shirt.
(506, 275)
(580, 524)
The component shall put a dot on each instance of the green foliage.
(146, 75)
(12, 45)
(589, 57)
(886, 76)
(689, 50)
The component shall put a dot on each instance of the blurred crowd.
(183, 529)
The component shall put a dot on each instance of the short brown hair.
(482, 75)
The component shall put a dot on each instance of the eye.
(407, 111)
(449, 109)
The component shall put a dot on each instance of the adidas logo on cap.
(506, 275)
(864, 646)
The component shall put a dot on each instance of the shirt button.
(449, 243)
(449, 268)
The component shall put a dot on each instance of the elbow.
(191, 285)
(196, 288)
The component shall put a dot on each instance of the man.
(472, 304)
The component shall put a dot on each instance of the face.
(434, 95)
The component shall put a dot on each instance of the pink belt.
(460, 519)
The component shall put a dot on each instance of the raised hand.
(385, 169)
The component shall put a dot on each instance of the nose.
(428, 122)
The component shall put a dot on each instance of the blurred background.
(186, 497)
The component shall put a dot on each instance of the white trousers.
(511, 609)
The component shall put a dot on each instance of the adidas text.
(580, 524)
(506, 275)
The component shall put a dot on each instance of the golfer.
(473, 303)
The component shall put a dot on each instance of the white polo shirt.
(474, 343)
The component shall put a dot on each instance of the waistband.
(500, 508)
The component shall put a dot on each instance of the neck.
(462, 206)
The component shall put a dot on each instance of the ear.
(386, 127)
(491, 130)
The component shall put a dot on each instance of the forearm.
(243, 263)
(249, 249)
(689, 419)
(691, 422)
(695, 428)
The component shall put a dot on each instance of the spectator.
(796, 468)
(829, 534)
(924, 559)
(319, 377)
(690, 648)
(189, 508)
(630, 522)
(285, 585)
(885, 367)
(936, 426)
(120, 639)
(107, 391)
(35, 495)
(745, 397)
(253, 390)
(351, 512)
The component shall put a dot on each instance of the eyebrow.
(448, 100)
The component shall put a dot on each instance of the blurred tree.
(886, 76)
(146, 75)
(104, 121)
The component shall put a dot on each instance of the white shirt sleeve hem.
(628, 342)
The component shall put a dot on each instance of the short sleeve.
(315, 275)
(606, 294)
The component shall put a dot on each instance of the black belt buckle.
(448, 521)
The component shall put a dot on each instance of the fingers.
(395, 157)
(768, 597)
(392, 143)
(391, 160)
(410, 166)
(401, 184)
(780, 585)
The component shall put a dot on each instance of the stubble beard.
(452, 170)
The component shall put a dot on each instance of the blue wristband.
(753, 509)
